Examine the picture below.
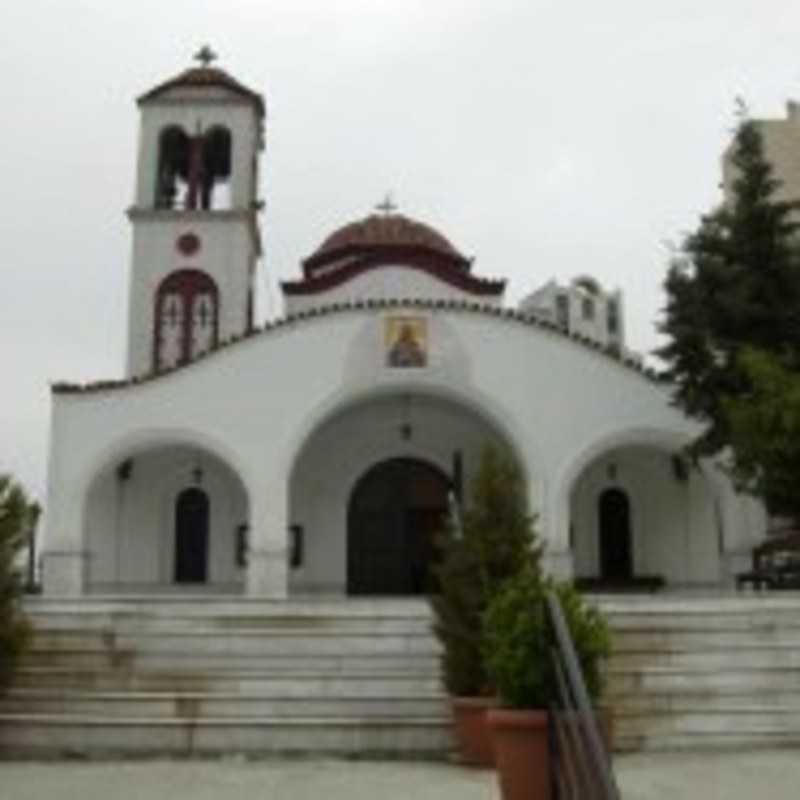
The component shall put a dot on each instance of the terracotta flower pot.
(473, 737)
(522, 753)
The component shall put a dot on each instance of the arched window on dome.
(186, 318)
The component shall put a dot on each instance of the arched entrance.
(191, 536)
(394, 513)
(614, 517)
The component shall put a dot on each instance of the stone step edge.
(226, 633)
(697, 669)
(746, 710)
(386, 721)
(232, 674)
(26, 693)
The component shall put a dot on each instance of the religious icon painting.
(406, 342)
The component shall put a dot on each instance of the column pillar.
(268, 553)
(554, 521)
(64, 559)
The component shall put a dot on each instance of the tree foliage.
(518, 640)
(496, 541)
(735, 283)
(765, 431)
(17, 518)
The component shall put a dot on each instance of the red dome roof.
(384, 230)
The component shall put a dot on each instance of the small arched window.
(186, 317)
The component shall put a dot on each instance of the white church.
(316, 455)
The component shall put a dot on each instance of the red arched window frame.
(186, 317)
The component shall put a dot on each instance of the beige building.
(782, 148)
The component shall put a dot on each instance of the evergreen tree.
(17, 518)
(496, 541)
(765, 432)
(735, 283)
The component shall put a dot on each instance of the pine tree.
(17, 518)
(497, 540)
(735, 283)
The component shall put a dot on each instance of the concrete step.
(625, 680)
(750, 702)
(241, 642)
(54, 735)
(128, 660)
(202, 705)
(655, 640)
(775, 655)
(293, 683)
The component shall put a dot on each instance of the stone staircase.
(205, 676)
(705, 673)
(198, 676)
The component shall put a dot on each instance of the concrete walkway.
(710, 776)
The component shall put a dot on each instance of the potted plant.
(494, 540)
(517, 641)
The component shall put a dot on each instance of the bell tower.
(196, 239)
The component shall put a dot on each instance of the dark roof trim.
(508, 314)
(448, 269)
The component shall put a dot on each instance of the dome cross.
(205, 55)
(387, 205)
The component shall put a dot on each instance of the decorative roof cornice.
(508, 315)
(445, 267)
(205, 77)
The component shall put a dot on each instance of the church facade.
(318, 454)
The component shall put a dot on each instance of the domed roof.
(383, 230)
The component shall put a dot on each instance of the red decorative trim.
(188, 244)
(187, 283)
(448, 269)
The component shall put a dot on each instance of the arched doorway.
(616, 558)
(191, 536)
(394, 514)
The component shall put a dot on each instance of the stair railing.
(580, 759)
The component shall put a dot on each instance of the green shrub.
(17, 517)
(497, 540)
(517, 640)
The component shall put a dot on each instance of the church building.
(318, 454)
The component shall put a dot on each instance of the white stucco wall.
(344, 448)
(386, 283)
(129, 525)
(255, 405)
(227, 254)
(674, 530)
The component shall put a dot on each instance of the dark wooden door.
(191, 536)
(395, 512)
(616, 558)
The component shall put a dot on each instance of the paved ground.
(739, 776)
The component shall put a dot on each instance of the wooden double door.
(396, 512)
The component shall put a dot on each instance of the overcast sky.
(546, 139)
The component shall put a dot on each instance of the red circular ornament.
(188, 244)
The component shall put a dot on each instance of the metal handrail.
(581, 760)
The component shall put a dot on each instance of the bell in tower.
(196, 239)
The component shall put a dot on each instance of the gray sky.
(545, 139)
